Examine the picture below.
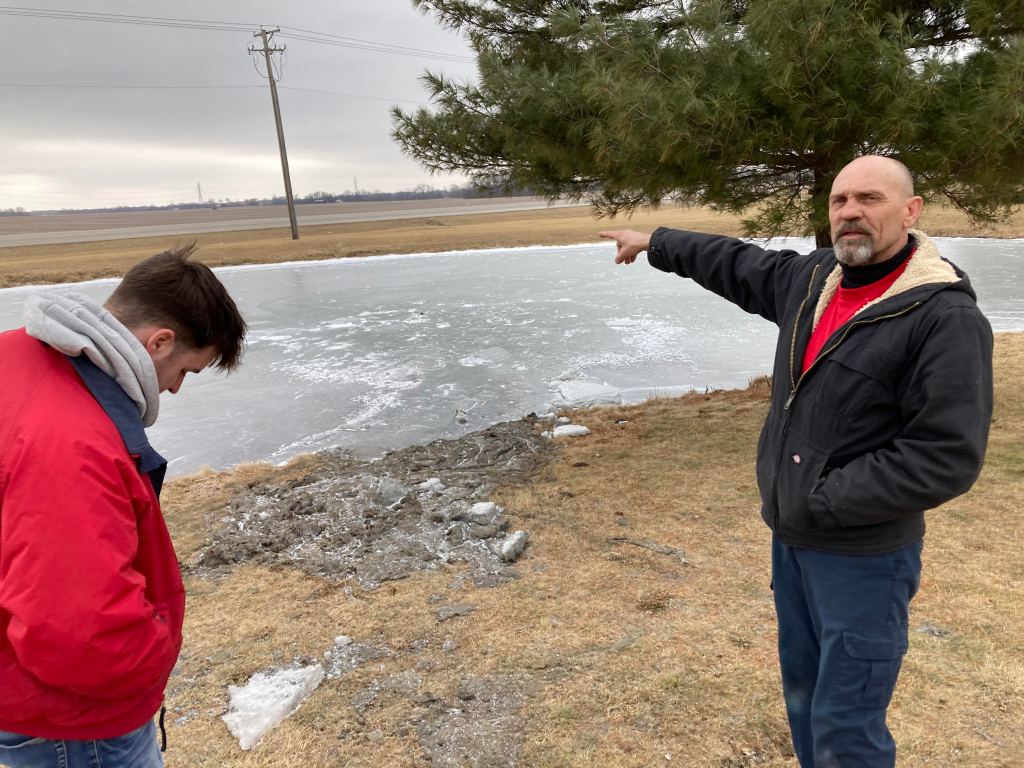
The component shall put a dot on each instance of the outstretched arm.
(756, 280)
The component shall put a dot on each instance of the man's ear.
(914, 206)
(159, 342)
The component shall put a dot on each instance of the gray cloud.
(78, 147)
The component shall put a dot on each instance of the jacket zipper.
(795, 382)
(822, 355)
(796, 327)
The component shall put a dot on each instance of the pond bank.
(639, 629)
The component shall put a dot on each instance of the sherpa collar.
(925, 267)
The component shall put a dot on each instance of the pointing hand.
(630, 243)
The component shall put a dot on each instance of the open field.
(614, 649)
(60, 228)
(73, 262)
(105, 220)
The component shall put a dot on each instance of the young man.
(91, 597)
(880, 410)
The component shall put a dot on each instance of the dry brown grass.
(73, 262)
(630, 657)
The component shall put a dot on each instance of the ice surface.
(267, 699)
(373, 354)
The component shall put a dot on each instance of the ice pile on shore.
(375, 521)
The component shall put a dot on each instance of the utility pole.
(199, 192)
(266, 50)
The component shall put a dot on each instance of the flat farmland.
(455, 227)
(50, 228)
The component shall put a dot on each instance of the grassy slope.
(630, 656)
(80, 261)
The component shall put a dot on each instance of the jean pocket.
(138, 749)
(20, 751)
(873, 664)
(13, 741)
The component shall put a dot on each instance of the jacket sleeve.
(79, 616)
(947, 411)
(758, 281)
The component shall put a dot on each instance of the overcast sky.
(63, 146)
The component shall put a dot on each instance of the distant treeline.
(421, 192)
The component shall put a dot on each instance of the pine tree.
(739, 105)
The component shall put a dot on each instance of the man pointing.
(880, 409)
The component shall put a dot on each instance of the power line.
(118, 18)
(118, 86)
(381, 48)
(351, 95)
(329, 39)
(230, 26)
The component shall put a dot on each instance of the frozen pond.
(387, 351)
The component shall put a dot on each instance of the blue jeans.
(842, 636)
(138, 749)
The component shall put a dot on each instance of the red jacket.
(91, 597)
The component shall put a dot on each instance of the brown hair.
(171, 291)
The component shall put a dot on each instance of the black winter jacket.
(892, 418)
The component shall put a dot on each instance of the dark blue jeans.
(138, 749)
(842, 636)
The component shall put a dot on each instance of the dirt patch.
(480, 727)
(376, 521)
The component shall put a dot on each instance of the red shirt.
(844, 305)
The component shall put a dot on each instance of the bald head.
(884, 170)
(871, 209)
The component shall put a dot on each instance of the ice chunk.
(267, 699)
(570, 430)
(483, 509)
(390, 492)
(583, 392)
(432, 484)
(512, 547)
